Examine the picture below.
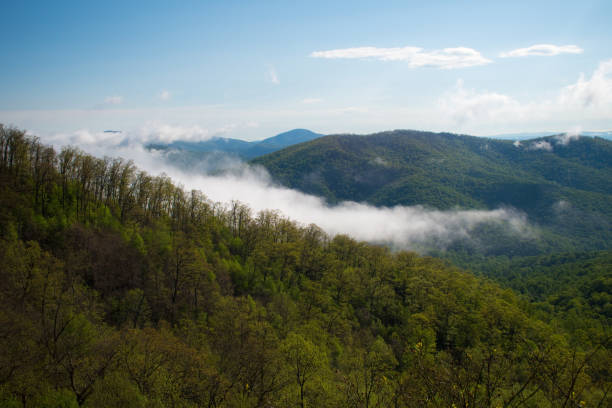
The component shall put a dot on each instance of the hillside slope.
(121, 289)
(559, 183)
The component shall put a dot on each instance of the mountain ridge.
(241, 148)
(559, 181)
(122, 284)
(606, 134)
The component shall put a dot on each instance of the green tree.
(305, 361)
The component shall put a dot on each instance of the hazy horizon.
(250, 71)
(193, 71)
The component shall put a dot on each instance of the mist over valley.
(306, 204)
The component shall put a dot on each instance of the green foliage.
(116, 390)
(571, 289)
(56, 399)
(305, 363)
(565, 191)
(127, 291)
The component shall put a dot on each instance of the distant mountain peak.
(242, 148)
(291, 137)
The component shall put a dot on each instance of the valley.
(112, 269)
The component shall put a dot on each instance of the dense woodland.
(565, 188)
(118, 288)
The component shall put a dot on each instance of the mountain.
(561, 183)
(532, 135)
(242, 149)
(118, 288)
(604, 134)
(289, 138)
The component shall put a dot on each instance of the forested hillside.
(573, 289)
(563, 183)
(118, 288)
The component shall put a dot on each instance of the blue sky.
(253, 69)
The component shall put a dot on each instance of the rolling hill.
(119, 288)
(563, 184)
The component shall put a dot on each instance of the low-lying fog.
(223, 179)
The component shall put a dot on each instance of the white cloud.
(541, 145)
(463, 108)
(589, 99)
(543, 50)
(164, 95)
(149, 133)
(594, 92)
(517, 143)
(273, 76)
(403, 227)
(447, 58)
(84, 137)
(113, 100)
(465, 105)
(565, 138)
(310, 101)
(169, 133)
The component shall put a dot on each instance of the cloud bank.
(447, 58)
(168, 134)
(402, 227)
(466, 105)
(593, 92)
(587, 98)
(546, 50)
(149, 133)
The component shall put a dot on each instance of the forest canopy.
(119, 288)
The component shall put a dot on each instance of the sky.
(156, 71)
(250, 70)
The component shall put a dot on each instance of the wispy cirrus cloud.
(546, 50)
(447, 58)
